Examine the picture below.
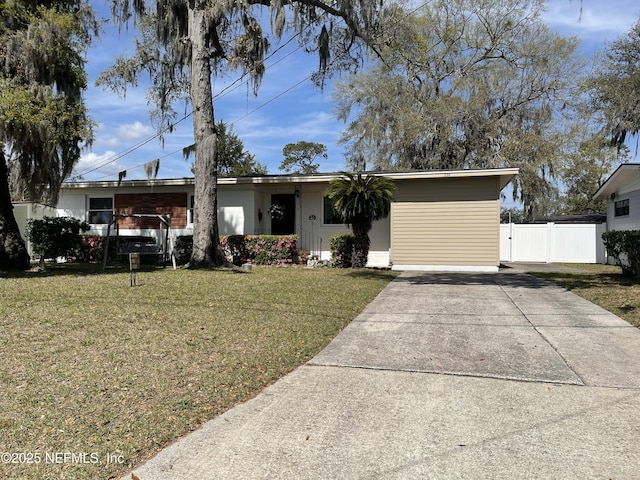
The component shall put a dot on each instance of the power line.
(225, 91)
(135, 167)
(284, 92)
(129, 150)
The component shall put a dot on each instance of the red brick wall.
(174, 204)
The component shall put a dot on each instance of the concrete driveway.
(478, 376)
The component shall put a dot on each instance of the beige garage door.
(457, 233)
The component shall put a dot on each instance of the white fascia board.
(506, 175)
(623, 175)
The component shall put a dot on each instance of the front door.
(283, 214)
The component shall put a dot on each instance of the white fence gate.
(552, 242)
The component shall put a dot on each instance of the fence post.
(551, 242)
(510, 240)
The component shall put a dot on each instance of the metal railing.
(310, 241)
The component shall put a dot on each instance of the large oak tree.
(184, 42)
(465, 84)
(615, 87)
(43, 120)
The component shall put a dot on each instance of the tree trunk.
(207, 252)
(361, 243)
(13, 252)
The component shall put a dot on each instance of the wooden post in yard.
(134, 265)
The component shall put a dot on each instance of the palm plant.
(361, 200)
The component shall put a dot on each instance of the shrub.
(238, 249)
(183, 248)
(271, 249)
(624, 246)
(53, 237)
(92, 249)
(235, 249)
(341, 247)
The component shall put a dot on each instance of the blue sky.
(266, 123)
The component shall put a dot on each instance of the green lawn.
(92, 367)
(603, 285)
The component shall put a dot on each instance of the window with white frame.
(100, 210)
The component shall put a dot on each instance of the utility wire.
(225, 91)
(129, 150)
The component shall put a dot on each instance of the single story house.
(622, 192)
(440, 220)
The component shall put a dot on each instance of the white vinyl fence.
(551, 242)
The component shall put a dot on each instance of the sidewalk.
(442, 376)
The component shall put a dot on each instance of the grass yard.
(97, 376)
(603, 285)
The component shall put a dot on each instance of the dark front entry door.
(286, 224)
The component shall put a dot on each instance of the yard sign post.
(134, 265)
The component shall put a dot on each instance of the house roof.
(623, 176)
(505, 175)
(586, 218)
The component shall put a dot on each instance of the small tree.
(300, 157)
(360, 200)
(55, 237)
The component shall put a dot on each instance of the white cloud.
(135, 130)
(592, 20)
(91, 165)
(109, 142)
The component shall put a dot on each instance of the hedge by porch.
(258, 249)
(341, 247)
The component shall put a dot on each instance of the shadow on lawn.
(572, 281)
(373, 274)
(73, 269)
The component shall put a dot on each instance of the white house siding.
(72, 205)
(261, 203)
(235, 211)
(25, 211)
(76, 205)
(626, 222)
(312, 203)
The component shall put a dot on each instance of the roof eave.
(616, 179)
(505, 175)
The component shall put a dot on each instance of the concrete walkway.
(478, 376)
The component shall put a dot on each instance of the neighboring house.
(25, 211)
(440, 220)
(622, 192)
